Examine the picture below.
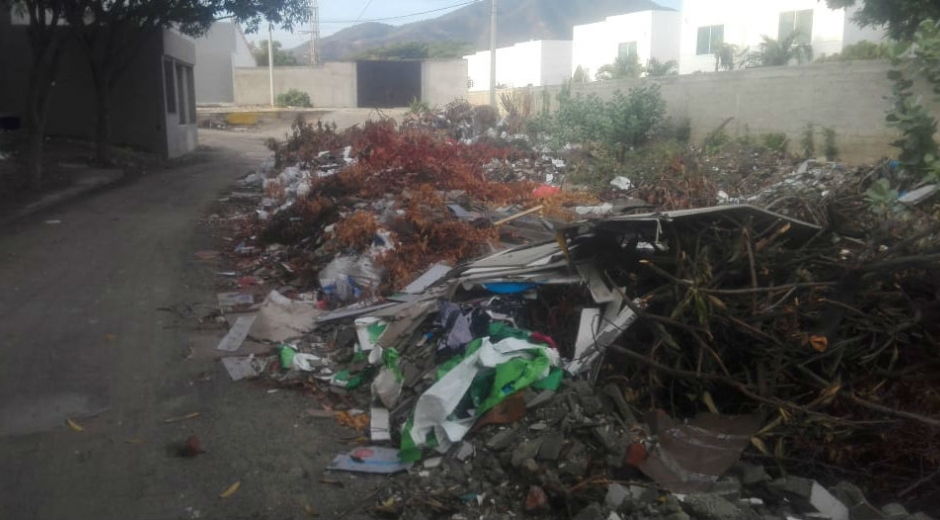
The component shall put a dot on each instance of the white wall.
(746, 21)
(656, 34)
(536, 63)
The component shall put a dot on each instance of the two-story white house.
(645, 34)
(707, 24)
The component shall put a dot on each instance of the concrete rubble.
(524, 355)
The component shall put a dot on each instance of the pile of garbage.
(515, 347)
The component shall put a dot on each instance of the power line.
(462, 4)
(364, 9)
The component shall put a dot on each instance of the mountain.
(519, 21)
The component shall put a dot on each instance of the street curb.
(105, 177)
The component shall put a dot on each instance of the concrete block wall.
(333, 84)
(849, 97)
(330, 85)
(443, 81)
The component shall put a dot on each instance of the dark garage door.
(388, 84)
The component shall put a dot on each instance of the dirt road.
(98, 324)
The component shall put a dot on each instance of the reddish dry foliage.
(357, 231)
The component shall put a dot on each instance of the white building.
(218, 53)
(534, 63)
(706, 24)
(647, 34)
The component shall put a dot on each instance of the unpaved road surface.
(98, 306)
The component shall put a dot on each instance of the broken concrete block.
(848, 493)
(895, 511)
(616, 494)
(810, 496)
(865, 511)
(825, 503)
(751, 474)
(591, 512)
(502, 440)
(551, 447)
(714, 507)
(526, 450)
(728, 487)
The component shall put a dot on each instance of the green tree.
(863, 50)
(47, 43)
(657, 68)
(777, 53)
(621, 68)
(902, 17)
(282, 58)
(112, 33)
(728, 57)
(581, 75)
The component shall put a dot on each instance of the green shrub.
(624, 122)
(775, 142)
(829, 135)
(418, 107)
(294, 98)
(808, 142)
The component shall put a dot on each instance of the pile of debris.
(545, 375)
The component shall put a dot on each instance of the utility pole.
(271, 62)
(493, 56)
(315, 32)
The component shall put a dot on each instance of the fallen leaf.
(710, 403)
(182, 418)
(310, 511)
(819, 343)
(231, 490)
(74, 425)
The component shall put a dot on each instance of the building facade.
(645, 34)
(705, 26)
(218, 53)
(153, 102)
(534, 63)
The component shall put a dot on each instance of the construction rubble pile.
(511, 347)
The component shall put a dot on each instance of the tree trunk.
(36, 107)
(103, 128)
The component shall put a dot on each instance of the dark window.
(169, 86)
(800, 22)
(191, 94)
(626, 49)
(710, 38)
(181, 91)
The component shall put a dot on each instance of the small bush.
(832, 153)
(419, 107)
(293, 98)
(624, 122)
(808, 142)
(775, 142)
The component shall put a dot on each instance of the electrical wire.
(364, 9)
(399, 17)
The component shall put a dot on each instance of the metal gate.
(387, 84)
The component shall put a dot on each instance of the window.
(181, 91)
(710, 38)
(169, 86)
(626, 50)
(799, 22)
(191, 94)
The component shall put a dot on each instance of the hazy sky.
(338, 14)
